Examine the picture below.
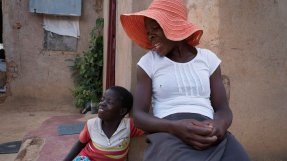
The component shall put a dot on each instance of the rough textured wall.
(253, 36)
(123, 48)
(250, 37)
(127, 54)
(38, 77)
(105, 39)
(137, 52)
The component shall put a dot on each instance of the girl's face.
(110, 107)
(157, 38)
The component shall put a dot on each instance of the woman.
(183, 86)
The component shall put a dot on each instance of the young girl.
(107, 137)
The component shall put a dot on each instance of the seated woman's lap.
(167, 147)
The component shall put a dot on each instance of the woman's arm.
(223, 115)
(142, 102)
(78, 146)
(190, 131)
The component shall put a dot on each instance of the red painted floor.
(55, 146)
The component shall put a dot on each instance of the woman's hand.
(219, 128)
(195, 133)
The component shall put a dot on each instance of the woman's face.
(157, 38)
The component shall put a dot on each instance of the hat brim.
(174, 28)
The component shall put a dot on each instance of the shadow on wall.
(3, 76)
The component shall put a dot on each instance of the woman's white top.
(180, 87)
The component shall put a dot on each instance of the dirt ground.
(18, 120)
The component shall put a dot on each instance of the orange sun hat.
(171, 15)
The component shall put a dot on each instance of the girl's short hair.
(126, 97)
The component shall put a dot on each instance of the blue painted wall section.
(56, 7)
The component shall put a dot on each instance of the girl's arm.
(78, 146)
(84, 138)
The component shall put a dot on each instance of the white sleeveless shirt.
(180, 87)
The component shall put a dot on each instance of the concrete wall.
(105, 37)
(127, 53)
(253, 36)
(250, 38)
(38, 77)
(123, 60)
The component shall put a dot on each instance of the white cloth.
(180, 87)
(62, 25)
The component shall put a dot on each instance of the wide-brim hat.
(171, 15)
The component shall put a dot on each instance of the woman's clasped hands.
(199, 134)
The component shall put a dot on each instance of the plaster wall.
(250, 38)
(252, 44)
(123, 61)
(127, 53)
(105, 39)
(36, 76)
